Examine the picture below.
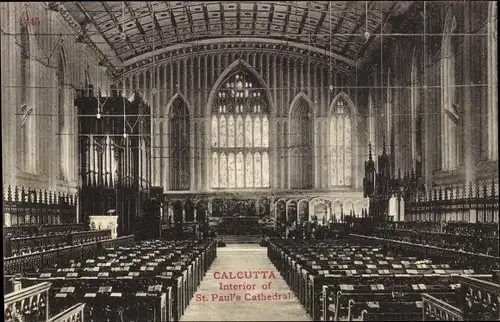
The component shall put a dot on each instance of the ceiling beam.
(380, 27)
(334, 32)
(110, 13)
(353, 33)
(320, 22)
(254, 17)
(341, 20)
(155, 21)
(270, 20)
(247, 39)
(205, 14)
(287, 17)
(92, 21)
(304, 18)
(137, 24)
(80, 33)
(222, 24)
(172, 20)
(190, 18)
(238, 18)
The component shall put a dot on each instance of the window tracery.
(240, 134)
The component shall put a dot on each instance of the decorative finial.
(370, 151)
(383, 140)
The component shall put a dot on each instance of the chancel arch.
(341, 119)
(450, 110)
(179, 143)
(239, 127)
(300, 143)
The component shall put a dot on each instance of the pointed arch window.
(240, 134)
(300, 141)
(340, 144)
(180, 153)
(450, 111)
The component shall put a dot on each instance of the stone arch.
(179, 143)
(300, 139)
(297, 98)
(337, 209)
(291, 210)
(189, 209)
(303, 210)
(343, 95)
(201, 208)
(358, 208)
(348, 207)
(171, 101)
(319, 210)
(177, 209)
(343, 175)
(280, 210)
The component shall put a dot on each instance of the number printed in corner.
(30, 21)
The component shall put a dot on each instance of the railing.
(73, 314)
(28, 304)
(454, 227)
(35, 261)
(478, 243)
(17, 231)
(454, 203)
(434, 309)
(480, 299)
(32, 244)
(479, 262)
(25, 206)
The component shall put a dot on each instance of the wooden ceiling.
(123, 31)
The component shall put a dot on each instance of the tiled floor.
(234, 258)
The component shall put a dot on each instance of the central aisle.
(240, 257)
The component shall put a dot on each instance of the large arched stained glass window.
(340, 144)
(240, 134)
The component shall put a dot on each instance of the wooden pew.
(175, 266)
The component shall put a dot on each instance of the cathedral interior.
(153, 150)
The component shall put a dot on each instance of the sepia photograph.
(170, 161)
